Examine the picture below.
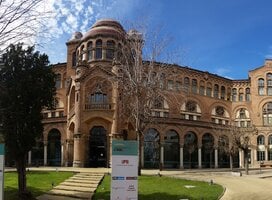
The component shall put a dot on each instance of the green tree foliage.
(27, 86)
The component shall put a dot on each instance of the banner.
(124, 176)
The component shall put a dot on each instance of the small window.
(216, 91)
(58, 81)
(261, 86)
(194, 86)
(234, 94)
(90, 50)
(110, 49)
(247, 94)
(98, 49)
(170, 84)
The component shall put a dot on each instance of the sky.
(224, 37)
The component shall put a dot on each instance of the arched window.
(241, 94)
(171, 149)
(187, 82)
(260, 148)
(267, 114)
(260, 140)
(269, 83)
(207, 150)
(98, 49)
(81, 53)
(220, 115)
(270, 147)
(151, 148)
(202, 88)
(223, 92)
(247, 94)
(110, 49)
(261, 86)
(234, 94)
(190, 111)
(160, 108)
(209, 90)
(190, 150)
(216, 91)
(58, 81)
(242, 118)
(90, 50)
(194, 86)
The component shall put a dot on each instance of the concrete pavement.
(256, 185)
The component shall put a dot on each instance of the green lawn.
(37, 182)
(165, 188)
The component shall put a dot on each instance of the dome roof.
(106, 27)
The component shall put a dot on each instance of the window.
(209, 90)
(216, 91)
(178, 86)
(58, 81)
(90, 51)
(260, 155)
(186, 83)
(261, 86)
(74, 59)
(202, 88)
(247, 94)
(223, 92)
(234, 94)
(98, 49)
(158, 103)
(170, 85)
(110, 49)
(191, 106)
(81, 53)
(194, 86)
(260, 140)
(269, 83)
(267, 114)
(242, 114)
(219, 110)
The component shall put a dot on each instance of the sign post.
(124, 176)
(2, 164)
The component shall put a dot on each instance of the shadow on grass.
(11, 193)
(153, 196)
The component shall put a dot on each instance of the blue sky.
(225, 37)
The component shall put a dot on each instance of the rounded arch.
(171, 149)
(190, 150)
(54, 148)
(207, 150)
(151, 148)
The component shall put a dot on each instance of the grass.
(165, 188)
(37, 182)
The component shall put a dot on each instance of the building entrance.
(98, 147)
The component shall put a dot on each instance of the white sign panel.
(124, 178)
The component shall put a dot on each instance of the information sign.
(124, 176)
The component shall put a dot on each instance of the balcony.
(97, 106)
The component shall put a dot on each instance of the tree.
(29, 86)
(20, 19)
(141, 83)
(241, 139)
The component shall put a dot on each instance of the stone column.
(216, 157)
(29, 158)
(162, 157)
(241, 158)
(45, 153)
(181, 166)
(62, 153)
(199, 158)
(266, 153)
(77, 143)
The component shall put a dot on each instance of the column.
(241, 158)
(199, 158)
(266, 153)
(62, 154)
(216, 158)
(142, 156)
(77, 161)
(45, 153)
(162, 157)
(181, 166)
(29, 158)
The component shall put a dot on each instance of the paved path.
(78, 187)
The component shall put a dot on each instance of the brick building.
(80, 130)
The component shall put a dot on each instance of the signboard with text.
(2, 164)
(124, 176)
